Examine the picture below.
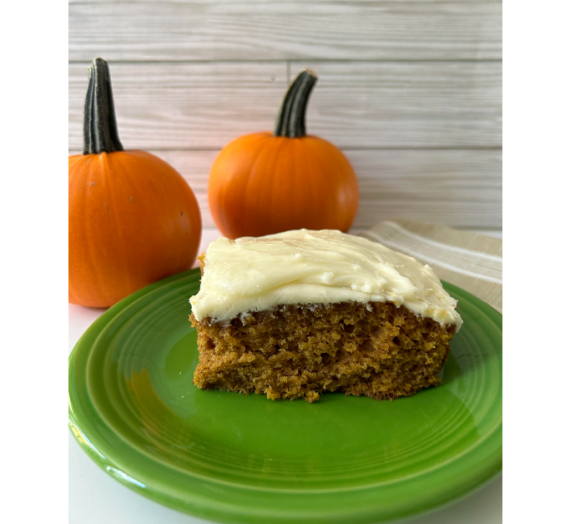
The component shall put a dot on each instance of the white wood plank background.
(409, 89)
(435, 104)
(352, 30)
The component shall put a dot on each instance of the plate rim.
(493, 465)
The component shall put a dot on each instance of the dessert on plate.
(299, 313)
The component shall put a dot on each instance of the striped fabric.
(471, 261)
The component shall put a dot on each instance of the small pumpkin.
(133, 219)
(266, 183)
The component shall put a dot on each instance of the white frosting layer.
(306, 267)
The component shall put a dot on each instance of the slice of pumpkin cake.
(304, 312)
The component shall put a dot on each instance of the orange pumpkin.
(133, 219)
(266, 183)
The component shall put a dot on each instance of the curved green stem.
(99, 121)
(291, 117)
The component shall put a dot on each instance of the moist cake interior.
(300, 351)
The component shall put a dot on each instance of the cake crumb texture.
(375, 349)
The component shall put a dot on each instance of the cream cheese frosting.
(315, 267)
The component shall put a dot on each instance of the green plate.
(235, 458)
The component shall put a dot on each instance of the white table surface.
(96, 498)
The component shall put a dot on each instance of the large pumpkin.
(266, 183)
(133, 219)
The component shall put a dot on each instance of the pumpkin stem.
(291, 117)
(99, 121)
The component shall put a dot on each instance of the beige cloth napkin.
(470, 261)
